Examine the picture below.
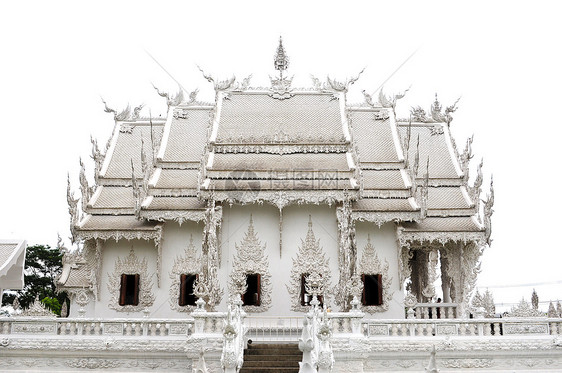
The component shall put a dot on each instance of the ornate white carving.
(122, 115)
(323, 144)
(524, 309)
(72, 209)
(370, 264)
(117, 235)
(343, 86)
(280, 198)
(178, 216)
(219, 85)
(347, 255)
(131, 265)
(34, 327)
(270, 147)
(37, 309)
(380, 218)
(381, 115)
(189, 263)
(281, 88)
(310, 258)
(525, 328)
(250, 258)
(419, 115)
(390, 102)
(468, 363)
(440, 237)
(210, 255)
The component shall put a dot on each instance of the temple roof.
(281, 145)
(307, 117)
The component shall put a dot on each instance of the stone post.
(200, 316)
(480, 313)
(306, 345)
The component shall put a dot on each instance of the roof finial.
(281, 61)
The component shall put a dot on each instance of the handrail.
(434, 311)
(95, 326)
(273, 328)
(462, 327)
(232, 356)
(315, 341)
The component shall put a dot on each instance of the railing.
(96, 327)
(280, 328)
(263, 328)
(435, 311)
(232, 356)
(462, 327)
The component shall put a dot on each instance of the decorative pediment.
(371, 265)
(250, 258)
(310, 259)
(131, 265)
(189, 263)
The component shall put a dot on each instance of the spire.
(281, 61)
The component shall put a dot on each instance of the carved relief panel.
(131, 265)
(250, 260)
(310, 259)
(189, 263)
(371, 265)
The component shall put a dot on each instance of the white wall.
(295, 228)
(234, 226)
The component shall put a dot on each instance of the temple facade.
(278, 215)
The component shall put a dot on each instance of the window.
(306, 298)
(129, 293)
(187, 298)
(253, 292)
(372, 290)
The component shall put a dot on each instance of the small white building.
(12, 262)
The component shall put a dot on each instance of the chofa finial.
(281, 61)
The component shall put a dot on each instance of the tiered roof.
(282, 145)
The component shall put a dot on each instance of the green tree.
(43, 265)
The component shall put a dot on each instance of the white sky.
(503, 58)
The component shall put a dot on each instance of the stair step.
(294, 357)
(272, 345)
(269, 370)
(272, 351)
(271, 358)
(271, 364)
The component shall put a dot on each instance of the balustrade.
(461, 327)
(263, 328)
(435, 310)
(98, 327)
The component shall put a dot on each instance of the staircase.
(271, 358)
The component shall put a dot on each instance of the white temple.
(235, 219)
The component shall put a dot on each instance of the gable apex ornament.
(281, 61)
(281, 86)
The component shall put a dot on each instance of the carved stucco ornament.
(524, 309)
(131, 265)
(370, 264)
(189, 263)
(37, 309)
(310, 258)
(210, 255)
(250, 258)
